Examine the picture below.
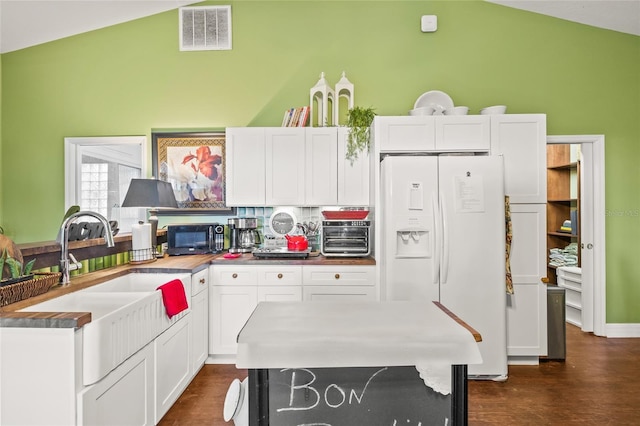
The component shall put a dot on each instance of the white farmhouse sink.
(141, 282)
(126, 314)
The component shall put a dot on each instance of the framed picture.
(194, 164)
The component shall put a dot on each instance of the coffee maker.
(243, 234)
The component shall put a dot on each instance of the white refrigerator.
(443, 229)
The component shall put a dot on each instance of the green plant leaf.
(15, 267)
(28, 267)
(4, 255)
(359, 121)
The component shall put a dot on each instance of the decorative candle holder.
(344, 89)
(324, 96)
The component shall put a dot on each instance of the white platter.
(434, 98)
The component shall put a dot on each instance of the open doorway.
(589, 239)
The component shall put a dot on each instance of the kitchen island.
(340, 363)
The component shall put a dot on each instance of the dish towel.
(173, 297)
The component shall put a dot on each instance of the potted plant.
(17, 271)
(358, 120)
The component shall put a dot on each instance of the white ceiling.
(617, 15)
(25, 23)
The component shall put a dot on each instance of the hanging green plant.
(358, 120)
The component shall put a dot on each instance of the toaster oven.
(346, 238)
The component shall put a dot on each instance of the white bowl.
(459, 110)
(427, 110)
(496, 109)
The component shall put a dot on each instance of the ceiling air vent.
(205, 28)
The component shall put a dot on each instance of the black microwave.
(195, 238)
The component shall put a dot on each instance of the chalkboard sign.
(390, 396)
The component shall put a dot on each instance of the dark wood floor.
(597, 384)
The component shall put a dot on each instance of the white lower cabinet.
(139, 391)
(173, 365)
(343, 283)
(236, 290)
(200, 320)
(350, 293)
(230, 306)
(527, 306)
(124, 397)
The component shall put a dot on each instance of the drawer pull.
(337, 276)
(279, 276)
(234, 275)
(201, 280)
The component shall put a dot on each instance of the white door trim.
(594, 164)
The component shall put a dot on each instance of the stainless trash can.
(556, 323)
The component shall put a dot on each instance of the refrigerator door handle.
(445, 241)
(436, 230)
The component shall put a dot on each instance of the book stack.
(566, 226)
(296, 117)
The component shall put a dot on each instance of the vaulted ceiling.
(25, 23)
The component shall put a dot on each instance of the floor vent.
(205, 28)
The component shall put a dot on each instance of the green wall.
(131, 78)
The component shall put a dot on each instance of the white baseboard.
(221, 359)
(622, 330)
(523, 360)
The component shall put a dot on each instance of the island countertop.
(354, 334)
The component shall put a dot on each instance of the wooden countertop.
(314, 259)
(9, 317)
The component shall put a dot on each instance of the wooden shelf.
(562, 234)
(562, 199)
(47, 253)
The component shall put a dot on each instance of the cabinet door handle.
(201, 280)
(337, 276)
(234, 275)
(279, 276)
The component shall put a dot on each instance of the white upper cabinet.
(285, 166)
(353, 178)
(245, 166)
(405, 133)
(463, 133)
(321, 166)
(433, 133)
(521, 139)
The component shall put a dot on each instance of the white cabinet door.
(124, 397)
(245, 166)
(173, 365)
(321, 166)
(405, 133)
(285, 163)
(341, 275)
(231, 306)
(199, 319)
(463, 133)
(348, 293)
(522, 139)
(336, 283)
(287, 293)
(527, 307)
(353, 178)
(278, 275)
(200, 330)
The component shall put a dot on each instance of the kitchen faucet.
(65, 265)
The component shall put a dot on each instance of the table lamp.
(153, 194)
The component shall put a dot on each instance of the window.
(98, 171)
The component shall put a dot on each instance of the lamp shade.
(149, 193)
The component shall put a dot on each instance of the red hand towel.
(174, 297)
